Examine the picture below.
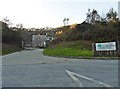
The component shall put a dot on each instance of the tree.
(9, 36)
(19, 26)
(111, 15)
(88, 17)
(103, 18)
(92, 17)
(95, 16)
(66, 21)
(94, 13)
(7, 21)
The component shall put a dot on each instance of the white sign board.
(105, 46)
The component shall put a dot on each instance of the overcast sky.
(43, 13)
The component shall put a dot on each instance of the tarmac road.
(31, 68)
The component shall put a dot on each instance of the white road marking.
(77, 82)
(71, 74)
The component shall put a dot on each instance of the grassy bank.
(9, 48)
(71, 48)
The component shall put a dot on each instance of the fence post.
(93, 49)
(118, 48)
(22, 45)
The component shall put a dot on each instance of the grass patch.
(67, 52)
(73, 48)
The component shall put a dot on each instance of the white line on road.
(72, 75)
(77, 82)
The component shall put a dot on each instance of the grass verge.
(73, 48)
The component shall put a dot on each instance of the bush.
(9, 36)
(95, 32)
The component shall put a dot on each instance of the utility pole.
(118, 40)
(119, 10)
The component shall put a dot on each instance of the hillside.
(78, 41)
(98, 32)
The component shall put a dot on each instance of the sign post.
(22, 45)
(107, 48)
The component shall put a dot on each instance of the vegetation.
(11, 40)
(71, 48)
(94, 29)
(9, 36)
(9, 48)
(96, 32)
(65, 21)
(71, 40)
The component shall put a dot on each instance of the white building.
(119, 10)
(40, 40)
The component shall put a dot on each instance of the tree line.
(18, 34)
(95, 28)
(9, 36)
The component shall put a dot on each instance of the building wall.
(38, 40)
(41, 40)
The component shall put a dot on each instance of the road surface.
(31, 68)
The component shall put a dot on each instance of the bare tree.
(19, 26)
(7, 21)
(67, 20)
(64, 21)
